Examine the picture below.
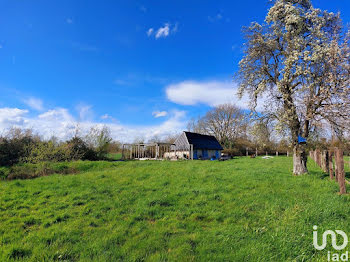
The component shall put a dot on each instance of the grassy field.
(114, 156)
(238, 210)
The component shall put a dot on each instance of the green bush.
(77, 149)
(25, 171)
(13, 150)
(47, 151)
(4, 172)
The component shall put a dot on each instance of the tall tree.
(299, 58)
(260, 133)
(226, 122)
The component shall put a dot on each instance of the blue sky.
(141, 67)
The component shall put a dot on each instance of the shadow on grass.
(319, 174)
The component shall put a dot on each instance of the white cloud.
(157, 114)
(60, 123)
(175, 28)
(105, 116)
(150, 31)
(163, 32)
(85, 111)
(34, 103)
(11, 116)
(56, 115)
(192, 92)
(210, 93)
(108, 117)
(218, 17)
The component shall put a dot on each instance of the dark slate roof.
(203, 141)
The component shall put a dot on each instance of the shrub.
(29, 171)
(47, 151)
(4, 172)
(99, 139)
(13, 150)
(22, 172)
(77, 149)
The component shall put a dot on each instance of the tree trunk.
(299, 160)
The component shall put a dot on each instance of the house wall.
(206, 154)
(182, 143)
(197, 154)
(179, 154)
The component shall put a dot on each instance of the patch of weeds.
(60, 219)
(19, 253)
(31, 221)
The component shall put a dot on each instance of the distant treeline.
(239, 132)
(23, 146)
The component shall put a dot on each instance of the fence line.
(324, 160)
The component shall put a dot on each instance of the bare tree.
(99, 138)
(226, 122)
(196, 125)
(260, 133)
(299, 58)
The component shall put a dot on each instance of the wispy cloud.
(163, 31)
(218, 17)
(210, 93)
(158, 114)
(108, 117)
(12, 116)
(61, 123)
(150, 31)
(34, 103)
(85, 111)
(69, 21)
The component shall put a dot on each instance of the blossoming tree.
(299, 60)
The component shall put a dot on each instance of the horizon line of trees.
(24, 146)
(238, 131)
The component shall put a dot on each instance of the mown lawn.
(238, 210)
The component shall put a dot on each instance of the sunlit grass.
(238, 210)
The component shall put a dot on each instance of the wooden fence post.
(315, 156)
(340, 170)
(324, 161)
(318, 157)
(330, 164)
(335, 165)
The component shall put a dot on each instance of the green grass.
(114, 156)
(238, 210)
(27, 170)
